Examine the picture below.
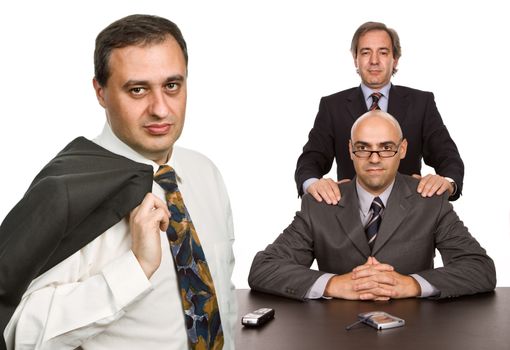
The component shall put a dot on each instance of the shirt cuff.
(427, 289)
(308, 182)
(316, 291)
(126, 279)
(450, 180)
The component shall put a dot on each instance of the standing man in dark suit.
(376, 51)
(379, 242)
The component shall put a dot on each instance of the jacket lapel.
(349, 218)
(356, 103)
(398, 104)
(395, 212)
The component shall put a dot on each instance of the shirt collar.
(107, 139)
(366, 198)
(385, 91)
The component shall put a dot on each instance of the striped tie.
(372, 227)
(375, 100)
(197, 291)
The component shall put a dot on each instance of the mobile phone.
(258, 317)
(381, 320)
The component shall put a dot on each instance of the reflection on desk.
(475, 322)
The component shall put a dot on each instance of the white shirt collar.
(107, 139)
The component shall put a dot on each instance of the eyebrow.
(384, 143)
(170, 79)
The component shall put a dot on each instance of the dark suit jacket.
(419, 119)
(81, 193)
(411, 228)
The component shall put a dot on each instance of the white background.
(257, 70)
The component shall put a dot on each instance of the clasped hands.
(372, 281)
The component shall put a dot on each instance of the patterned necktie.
(372, 226)
(375, 101)
(197, 291)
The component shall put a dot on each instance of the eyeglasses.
(385, 153)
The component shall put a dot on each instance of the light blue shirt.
(383, 101)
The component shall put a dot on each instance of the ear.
(350, 150)
(403, 149)
(100, 92)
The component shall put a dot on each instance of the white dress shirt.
(99, 298)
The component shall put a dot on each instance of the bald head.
(377, 114)
(376, 148)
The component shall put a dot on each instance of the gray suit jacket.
(411, 229)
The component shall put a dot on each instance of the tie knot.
(375, 100)
(166, 178)
(377, 205)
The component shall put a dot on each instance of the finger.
(375, 261)
(445, 186)
(151, 202)
(383, 267)
(365, 286)
(422, 183)
(315, 194)
(373, 297)
(327, 194)
(431, 187)
(336, 190)
(364, 273)
(416, 176)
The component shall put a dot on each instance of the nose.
(158, 105)
(374, 158)
(374, 58)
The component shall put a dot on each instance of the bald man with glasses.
(379, 241)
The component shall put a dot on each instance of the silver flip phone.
(381, 320)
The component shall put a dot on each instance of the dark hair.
(132, 30)
(369, 26)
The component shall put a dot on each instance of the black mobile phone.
(258, 317)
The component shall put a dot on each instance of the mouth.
(374, 171)
(158, 129)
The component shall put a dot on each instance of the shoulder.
(341, 95)
(405, 90)
(196, 168)
(408, 185)
(188, 158)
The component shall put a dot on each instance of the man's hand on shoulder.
(145, 222)
(326, 189)
(433, 184)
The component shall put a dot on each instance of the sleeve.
(56, 315)
(283, 268)
(317, 289)
(319, 152)
(467, 269)
(439, 150)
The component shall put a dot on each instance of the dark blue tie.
(372, 227)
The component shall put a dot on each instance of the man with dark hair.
(376, 51)
(124, 242)
(379, 242)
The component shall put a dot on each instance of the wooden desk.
(479, 322)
